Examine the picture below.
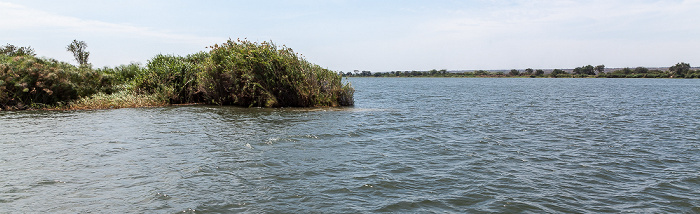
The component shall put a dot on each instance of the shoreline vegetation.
(238, 73)
(680, 70)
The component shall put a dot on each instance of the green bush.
(251, 74)
(122, 74)
(26, 80)
(171, 77)
(693, 75)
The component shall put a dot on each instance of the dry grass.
(122, 99)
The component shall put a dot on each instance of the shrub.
(171, 77)
(251, 74)
(513, 72)
(122, 74)
(558, 73)
(27, 80)
(11, 50)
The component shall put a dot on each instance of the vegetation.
(238, 73)
(680, 70)
(27, 81)
(11, 50)
(78, 49)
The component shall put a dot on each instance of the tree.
(641, 70)
(627, 70)
(600, 69)
(11, 50)
(514, 72)
(481, 73)
(588, 70)
(78, 49)
(529, 71)
(556, 72)
(433, 72)
(539, 72)
(578, 70)
(680, 69)
(585, 70)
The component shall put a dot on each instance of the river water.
(410, 145)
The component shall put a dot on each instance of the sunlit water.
(409, 145)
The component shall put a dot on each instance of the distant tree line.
(680, 70)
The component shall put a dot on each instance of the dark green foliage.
(695, 74)
(174, 78)
(641, 70)
(78, 49)
(529, 71)
(122, 74)
(539, 72)
(28, 81)
(261, 74)
(585, 70)
(514, 72)
(600, 69)
(481, 73)
(558, 73)
(680, 69)
(90, 82)
(11, 50)
(627, 71)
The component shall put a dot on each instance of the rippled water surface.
(409, 145)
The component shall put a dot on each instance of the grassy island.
(240, 73)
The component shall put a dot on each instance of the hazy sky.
(370, 35)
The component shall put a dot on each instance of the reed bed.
(240, 73)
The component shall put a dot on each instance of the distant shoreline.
(678, 71)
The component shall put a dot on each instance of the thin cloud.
(543, 17)
(18, 17)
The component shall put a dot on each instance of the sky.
(379, 36)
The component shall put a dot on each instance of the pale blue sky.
(371, 35)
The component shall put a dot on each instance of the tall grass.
(172, 78)
(121, 99)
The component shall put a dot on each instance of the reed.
(263, 74)
(121, 99)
